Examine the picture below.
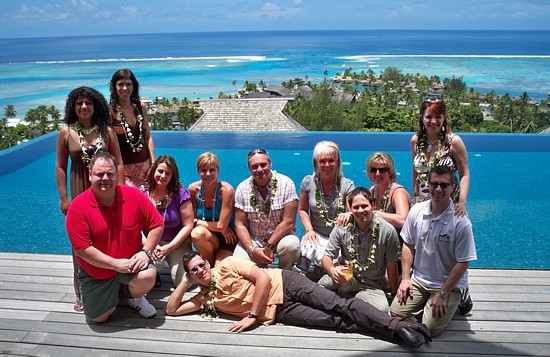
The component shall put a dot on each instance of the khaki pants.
(174, 260)
(288, 251)
(422, 298)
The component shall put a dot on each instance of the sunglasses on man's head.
(257, 151)
(195, 270)
(444, 185)
(382, 170)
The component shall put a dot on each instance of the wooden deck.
(511, 317)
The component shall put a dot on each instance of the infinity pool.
(508, 203)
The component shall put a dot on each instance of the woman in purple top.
(173, 203)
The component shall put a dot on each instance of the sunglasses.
(195, 270)
(443, 185)
(432, 100)
(257, 151)
(382, 170)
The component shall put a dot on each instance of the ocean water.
(507, 203)
(39, 71)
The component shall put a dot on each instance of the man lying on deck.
(239, 287)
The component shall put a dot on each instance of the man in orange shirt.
(238, 287)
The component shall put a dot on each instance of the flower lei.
(267, 204)
(422, 144)
(384, 199)
(321, 205)
(214, 201)
(352, 246)
(207, 308)
(136, 147)
(98, 144)
(159, 204)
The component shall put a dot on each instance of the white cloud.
(84, 5)
(270, 6)
(130, 10)
(269, 10)
(68, 11)
(520, 15)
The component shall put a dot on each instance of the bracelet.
(311, 229)
(269, 246)
(149, 253)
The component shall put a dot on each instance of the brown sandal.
(78, 306)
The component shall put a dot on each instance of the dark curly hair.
(124, 73)
(101, 109)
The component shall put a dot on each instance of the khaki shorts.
(101, 295)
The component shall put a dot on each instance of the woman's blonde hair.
(208, 158)
(328, 148)
(384, 159)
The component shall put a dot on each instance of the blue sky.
(39, 18)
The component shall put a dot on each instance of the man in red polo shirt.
(104, 224)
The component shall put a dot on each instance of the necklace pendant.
(88, 131)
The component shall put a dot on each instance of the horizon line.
(275, 31)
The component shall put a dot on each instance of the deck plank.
(511, 317)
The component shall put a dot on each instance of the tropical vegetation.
(390, 102)
(348, 101)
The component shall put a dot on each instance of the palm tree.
(455, 87)
(9, 111)
(3, 124)
(392, 74)
(56, 117)
(42, 119)
(529, 125)
(506, 111)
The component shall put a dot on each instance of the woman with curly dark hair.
(130, 122)
(86, 132)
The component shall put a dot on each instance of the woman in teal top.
(213, 200)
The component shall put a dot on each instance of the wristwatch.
(251, 315)
(443, 294)
(149, 253)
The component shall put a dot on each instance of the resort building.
(247, 114)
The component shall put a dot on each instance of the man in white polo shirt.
(438, 246)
